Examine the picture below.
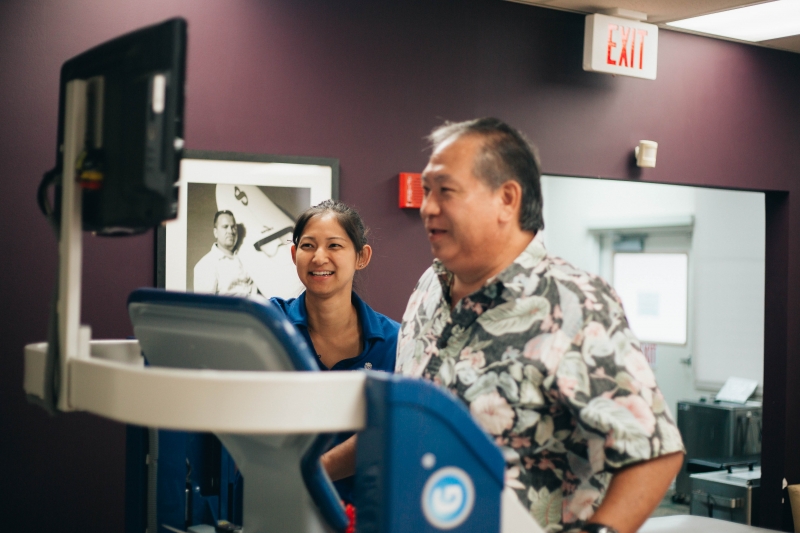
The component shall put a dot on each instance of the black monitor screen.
(129, 166)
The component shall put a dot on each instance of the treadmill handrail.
(226, 401)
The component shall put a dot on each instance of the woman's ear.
(363, 259)
(294, 254)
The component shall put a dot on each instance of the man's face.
(460, 211)
(225, 232)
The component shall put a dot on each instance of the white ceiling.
(662, 11)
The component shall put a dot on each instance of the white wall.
(728, 248)
(572, 205)
(726, 268)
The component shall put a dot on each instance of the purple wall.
(363, 82)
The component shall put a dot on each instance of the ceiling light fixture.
(760, 22)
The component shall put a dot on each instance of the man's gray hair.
(506, 155)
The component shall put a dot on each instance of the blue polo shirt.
(380, 350)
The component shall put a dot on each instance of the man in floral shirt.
(540, 351)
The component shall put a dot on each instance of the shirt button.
(368, 366)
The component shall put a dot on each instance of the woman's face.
(325, 256)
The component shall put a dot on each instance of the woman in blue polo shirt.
(330, 246)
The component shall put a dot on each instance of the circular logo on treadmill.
(448, 498)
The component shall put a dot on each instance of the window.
(654, 290)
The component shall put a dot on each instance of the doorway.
(599, 224)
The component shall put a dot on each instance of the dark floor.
(668, 508)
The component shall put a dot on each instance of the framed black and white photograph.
(236, 213)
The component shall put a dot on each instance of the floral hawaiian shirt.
(544, 359)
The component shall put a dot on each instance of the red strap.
(350, 511)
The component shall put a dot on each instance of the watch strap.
(594, 527)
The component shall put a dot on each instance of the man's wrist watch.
(598, 528)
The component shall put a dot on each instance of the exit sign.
(620, 46)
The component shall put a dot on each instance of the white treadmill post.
(72, 337)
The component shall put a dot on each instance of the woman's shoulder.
(289, 306)
(388, 323)
(390, 330)
(383, 351)
(283, 303)
(390, 327)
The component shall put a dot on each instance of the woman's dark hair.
(347, 217)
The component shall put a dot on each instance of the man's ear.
(294, 254)
(510, 197)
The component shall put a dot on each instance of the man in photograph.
(221, 271)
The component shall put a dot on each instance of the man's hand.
(340, 462)
(636, 491)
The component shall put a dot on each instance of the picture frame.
(264, 194)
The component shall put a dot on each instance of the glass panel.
(653, 289)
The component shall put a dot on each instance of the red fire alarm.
(410, 190)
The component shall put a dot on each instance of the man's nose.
(429, 206)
